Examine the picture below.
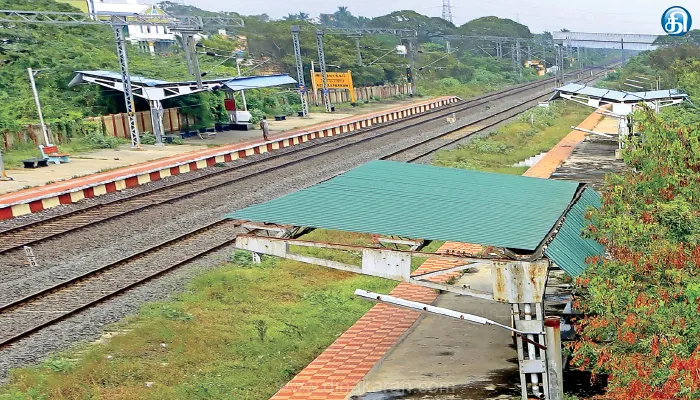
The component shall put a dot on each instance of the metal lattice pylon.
(446, 10)
(322, 67)
(300, 71)
(126, 80)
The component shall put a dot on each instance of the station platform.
(352, 365)
(39, 198)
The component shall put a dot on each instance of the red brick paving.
(372, 336)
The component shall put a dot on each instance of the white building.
(150, 38)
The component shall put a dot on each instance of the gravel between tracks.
(83, 250)
(89, 325)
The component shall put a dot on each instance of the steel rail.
(33, 232)
(482, 128)
(68, 304)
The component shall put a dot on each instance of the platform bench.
(51, 154)
(35, 162)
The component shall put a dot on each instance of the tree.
(300, 16)
(494, 26)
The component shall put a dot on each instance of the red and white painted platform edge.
(73, 190)
(342, 366)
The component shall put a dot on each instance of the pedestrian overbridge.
(622, 41)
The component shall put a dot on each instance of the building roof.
(156, 89)
(619, 96)
(437, 203)
(427, 202)
(251, 82)
(116, 76)
(568, 249)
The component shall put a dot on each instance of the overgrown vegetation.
(642, 302)
(535, 131)
(238, 332)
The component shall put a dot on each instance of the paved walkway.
(342, 366)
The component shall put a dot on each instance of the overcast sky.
(613, 16)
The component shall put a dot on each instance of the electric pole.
(300, 71)
(322, 67)
(44, 131)
(118, 28)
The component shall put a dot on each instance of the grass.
(240, 331)
(516, 141)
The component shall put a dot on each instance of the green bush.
(148, 138)
(100, 141)
(256, 115)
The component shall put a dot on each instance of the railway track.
(51, 227)
(24, 316)
(433, 144)
(32, 313)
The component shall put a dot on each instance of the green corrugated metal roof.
(421, 201)
(569, 249)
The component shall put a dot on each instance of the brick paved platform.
(334, 373)
(70, 191)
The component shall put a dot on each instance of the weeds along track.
(57, 225)
(27, 315)
(459, 133)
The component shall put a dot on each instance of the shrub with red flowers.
(642, 302)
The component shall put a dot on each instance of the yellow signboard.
(335, 80)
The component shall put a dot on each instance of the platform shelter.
(622, 103)
(156, 90)
(527, 228)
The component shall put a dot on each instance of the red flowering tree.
(642, 302)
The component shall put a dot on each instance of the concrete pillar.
(554, 358)
(157, 120)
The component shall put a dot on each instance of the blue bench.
(51, 154)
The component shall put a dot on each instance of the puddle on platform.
(502, 385)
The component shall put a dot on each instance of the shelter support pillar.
(157, 121)
(126, 79)
(555, 369)
(522, 284)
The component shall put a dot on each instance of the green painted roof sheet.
(569, 250)
(421, 201)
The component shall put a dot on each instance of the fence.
(118, 124)
(361, 94)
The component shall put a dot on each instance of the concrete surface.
(450, 358)
(100, 160)
(89, 163)
(294, 122)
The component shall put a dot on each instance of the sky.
(607, 16)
